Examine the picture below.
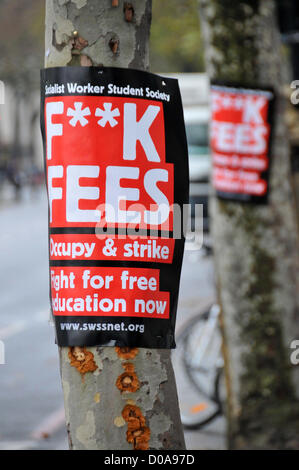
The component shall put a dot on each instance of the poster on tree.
(240, 142)
(116, 165)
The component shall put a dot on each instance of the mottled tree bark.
(92, 32)
(256, 246)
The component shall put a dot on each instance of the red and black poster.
(116, 164)
(240, 142)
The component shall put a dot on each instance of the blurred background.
(31, 401)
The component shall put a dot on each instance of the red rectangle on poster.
(113, 292)
(93, 247)
(106, 163)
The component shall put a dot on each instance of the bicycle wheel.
(198, 362)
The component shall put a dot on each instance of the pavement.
(31, 401)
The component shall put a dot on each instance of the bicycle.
(199, 350)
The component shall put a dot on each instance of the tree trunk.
(112, 33)
(256, 246)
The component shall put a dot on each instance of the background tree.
(21, 38)
(175, 42)
(256, 246)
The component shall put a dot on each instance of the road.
(31, 400)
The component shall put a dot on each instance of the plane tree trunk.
(111, 33)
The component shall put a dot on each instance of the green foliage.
(175, 44)
(22, 41)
